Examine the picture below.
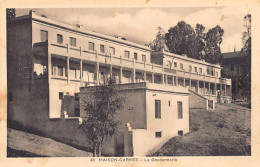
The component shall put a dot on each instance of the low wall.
(197, 102)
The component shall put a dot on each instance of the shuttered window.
(157, 108)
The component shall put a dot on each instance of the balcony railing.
(118, 60)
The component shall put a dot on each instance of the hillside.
(225, 131)
(23, 144)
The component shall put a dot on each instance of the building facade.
(232, 68)
(49, 61)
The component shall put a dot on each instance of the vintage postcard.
(136, 83)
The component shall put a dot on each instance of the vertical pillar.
(121, 74)
(153, 77)
(111, 71)
(97, 72)
(81, 72)
(190, 83)
(204, 87)
(184, 82)
(173, 80)
(209, 90)
(215, 91)
(221, 90)
(198, 83)
(162, 78)
(166, 80)
(177, 84)
(68, 70)
(144, 76)
(133, 75)
(49, 67)
(225, 89)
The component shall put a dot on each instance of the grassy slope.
(221, 132)
(23, 144)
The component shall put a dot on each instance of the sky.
(140, 24)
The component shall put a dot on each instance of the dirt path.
(29, 145)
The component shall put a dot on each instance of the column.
(162, 78)
(173, 80)
(121, 74)
(204, 86)
(49, 67)
(166, 80)
(220, 90)
(133, 75)
(111, 71)
(215, 91)
(190, 83)
(81, 78)
(209, 90)
(198, 83)
(184, 82)
(144, 76)
(97, 72)
(68, 70)
(225, 89)
(153, 77)
(177, 84)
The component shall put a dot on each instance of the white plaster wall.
(144, 140)
(82, 40)
(57, 86)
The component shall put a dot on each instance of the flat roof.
(146, 86)
(188, 59)
(81, 30)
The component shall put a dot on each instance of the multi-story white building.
(49, 61)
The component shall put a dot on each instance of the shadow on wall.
(68, 105)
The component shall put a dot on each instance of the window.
(232, 67)
(195, 69)
(175, 64)
(44, 36)
(127, 54)
(60, 71)
(135, 56)
(74, 70)
(180, 115)
(158, 134)
(10, 96)
(180, 132)
(169, 103)
(200, 70)
(77, 112)
(190, 68)
(102, 48)
(181, 66)
(60, 95)
(143, 58)
(112, 50)
(59, 38)
(72, 41)
(208, 71)
(91, 46)
(157, 108)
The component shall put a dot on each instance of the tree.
(180, 39)
(200, 42)
(99, 122)
(213, 40)
(245, 77)
(183, 39)
(10, 13)
(158, 43)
